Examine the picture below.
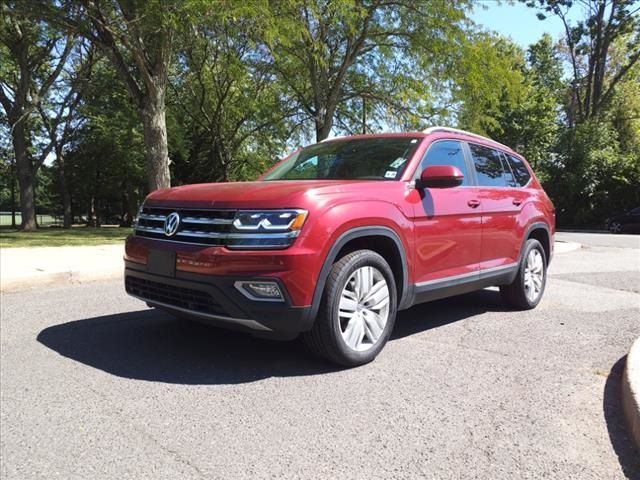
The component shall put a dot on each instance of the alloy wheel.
(534, 275)
(364, 308)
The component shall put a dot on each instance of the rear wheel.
(357, 312)
(525, 292)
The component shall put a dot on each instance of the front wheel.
(615, 227)
(525, 292)
(357, 312)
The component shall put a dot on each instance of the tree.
(532, 124)
(137, 37)
(228, 101)
(488, 80)
(331, 54)
(59, 117)
(589, 44)
(32, 55)
(105, 162)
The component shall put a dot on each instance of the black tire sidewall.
(362, 259)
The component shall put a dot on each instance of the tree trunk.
(25, 178)
(67, 218)
(13, 194)
(155, 139)
(323, 127)
(93, 220)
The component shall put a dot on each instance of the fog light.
(262, 291)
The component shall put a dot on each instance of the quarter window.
(488, 166)
(446, 152)
(520, 170)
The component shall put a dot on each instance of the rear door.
(500, 208)
(448, 224)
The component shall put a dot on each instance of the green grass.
(5, 219)
(59, 237)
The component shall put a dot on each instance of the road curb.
(32, 267)
(58, 278)
(565, 247)
(631, 393)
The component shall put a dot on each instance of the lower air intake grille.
(172, 295)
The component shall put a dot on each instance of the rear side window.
(446, 152)
(520, 170)
(488, 166)
(508, 173)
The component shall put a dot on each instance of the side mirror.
(441, 176)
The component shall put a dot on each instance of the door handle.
(517, 202)
(473, 203)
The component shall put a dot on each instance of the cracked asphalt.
(95, 385)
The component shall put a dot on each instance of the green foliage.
(228, 102)
(246, 81)
(489, 80)
(344, 60)
(106, 163)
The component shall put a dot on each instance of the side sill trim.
(240, 321)
(478, 274)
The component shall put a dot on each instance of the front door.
(448, 222)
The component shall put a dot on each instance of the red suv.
(336, 238)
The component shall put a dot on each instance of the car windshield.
(383, 158)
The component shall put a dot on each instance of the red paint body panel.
(441, 234)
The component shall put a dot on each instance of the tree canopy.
(105, 100)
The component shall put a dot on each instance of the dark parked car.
(627, 222)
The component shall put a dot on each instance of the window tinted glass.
(519, 169)
(508, 173)
(446, 152)
(356, 159)
(488, 165)
(635, 211)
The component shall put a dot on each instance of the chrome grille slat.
(207, 221)
(141, 228)
(147, 216)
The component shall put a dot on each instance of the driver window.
(446, 152)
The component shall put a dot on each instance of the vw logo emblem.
(171, 224)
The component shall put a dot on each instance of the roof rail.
(462, 132)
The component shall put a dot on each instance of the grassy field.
(58, 237)
(5, 219)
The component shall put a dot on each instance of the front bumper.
(214, 299)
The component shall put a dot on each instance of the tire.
(519, 293)
(615, 227)
(345, 330)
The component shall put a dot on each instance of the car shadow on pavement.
(628, 457)
(152, 345)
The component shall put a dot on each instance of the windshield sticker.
(397, 162)
(390, 174)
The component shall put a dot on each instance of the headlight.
(269, 221)
(134, 222)
(266, 228)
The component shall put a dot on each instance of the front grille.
(172, 295)
(209, 227)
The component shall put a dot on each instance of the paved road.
(601, 239)
(94, 385)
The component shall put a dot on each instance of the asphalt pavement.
(95, 385)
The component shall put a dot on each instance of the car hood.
(265, 194)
